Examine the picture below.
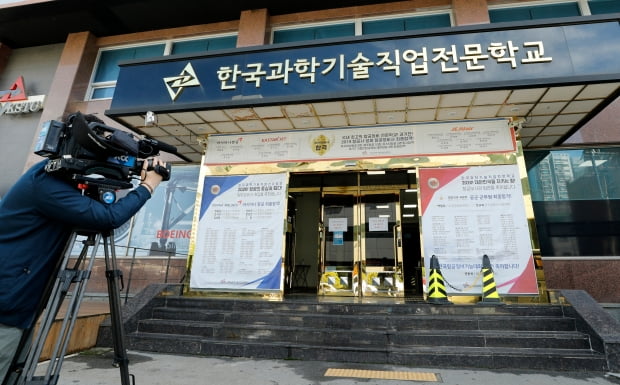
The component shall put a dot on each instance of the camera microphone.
(150, 147)
(157, 145)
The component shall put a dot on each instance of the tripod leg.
(20, 360)
(113, 276)
(79, 278)
(53, 298)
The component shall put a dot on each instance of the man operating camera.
(37, 217)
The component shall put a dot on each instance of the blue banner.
(398, 65)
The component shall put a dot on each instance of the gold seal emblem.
(321, 144)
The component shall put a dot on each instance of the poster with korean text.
(469, 212)
(239, 238)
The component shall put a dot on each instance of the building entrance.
(356, 234)
(361, 245)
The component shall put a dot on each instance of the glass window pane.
(108, 69)
(426, 22)
(313, 33)
(103, 93)
(289, 36)
(223, 43)
(576, 200)
(190, 46)
(382, 26)
(184, 47)
(509, 14)
(534, 13)
(405, 24)
(598, 7)
(334, 31)
(555, 10)
(575, 174)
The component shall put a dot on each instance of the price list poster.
(468, 212)
(239, 239)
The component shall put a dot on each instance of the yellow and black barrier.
(436, 286)
(489, 289)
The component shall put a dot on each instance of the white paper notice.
(378, 224)
(337, 224)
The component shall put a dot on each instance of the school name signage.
(362, 68)
(397, 62)
(14, 100)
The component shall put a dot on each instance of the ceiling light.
(150, 119)
(410, 206)
(377, 172)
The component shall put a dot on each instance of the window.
(591, 173)
(598, 7)
(361, 27)
(576, 200)
(499, 15)
(191, 46)
(107, 69)
(405, 24)
(313, 33)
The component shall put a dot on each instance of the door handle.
(398, 242)
(396, 234)
(322, 245)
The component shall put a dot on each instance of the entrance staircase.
(504, 336)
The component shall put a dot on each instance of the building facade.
(494, 93)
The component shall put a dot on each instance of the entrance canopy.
(549, 79)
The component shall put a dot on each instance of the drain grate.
(381, 374)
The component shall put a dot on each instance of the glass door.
(339, 237)
(381, 245)
(361, 245)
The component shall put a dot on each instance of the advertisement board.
(469, 212)
(240, 233)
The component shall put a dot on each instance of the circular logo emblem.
(215, 189)
(108, 197)
(321, 144)
(433, 183)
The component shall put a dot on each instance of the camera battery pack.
(49, 138)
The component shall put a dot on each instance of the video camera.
(79, 148)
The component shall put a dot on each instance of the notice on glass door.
(239, 237)
(469, 212)
(378, 224)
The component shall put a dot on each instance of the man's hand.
(149, 174)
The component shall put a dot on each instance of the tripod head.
(101, 189)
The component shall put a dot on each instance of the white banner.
(239, 238)
(407, 140)
(470, 212)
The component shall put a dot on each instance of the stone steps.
(418, 334)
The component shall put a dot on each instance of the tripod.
(77, 278)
